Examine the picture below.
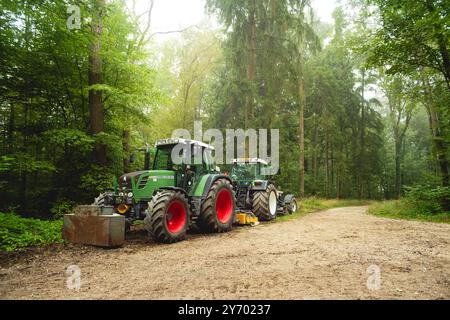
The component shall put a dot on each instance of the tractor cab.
(257, 192)
(248, 172)
(178, 164)
(194, 159)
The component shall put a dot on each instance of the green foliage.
(46, 141)
(421, 202)
(403, 209)
(69, 139)
(6, 163)
(96, 180)
(17, 232)
(411, 35)
(61, 207)
(428, 200)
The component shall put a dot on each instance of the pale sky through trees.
(171, 15)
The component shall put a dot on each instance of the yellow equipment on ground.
(244, 218)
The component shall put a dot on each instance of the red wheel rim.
(224, 206)
(175, 217)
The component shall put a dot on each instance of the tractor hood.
(143, 183)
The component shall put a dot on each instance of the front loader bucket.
(88, 225)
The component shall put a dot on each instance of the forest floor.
(322, 255)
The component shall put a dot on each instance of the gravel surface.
(323, 255)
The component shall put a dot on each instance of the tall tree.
(400, 112)
(96, 110)
(413, 38)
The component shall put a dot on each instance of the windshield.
(163, 159)
(244, 171)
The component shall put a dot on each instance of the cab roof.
(172, 141)
(250, 160)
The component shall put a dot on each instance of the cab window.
(163, 159)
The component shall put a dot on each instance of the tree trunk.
(438, 139)
(362, 136)
(337, 184)
(314, 164)
(95, 78)
(251, 67)
(301, 92)
(126, 150)
(439, 145)
(445, 59)
(398, 182)
(442, 42)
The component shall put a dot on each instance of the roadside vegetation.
(17, 232)
(420, 203)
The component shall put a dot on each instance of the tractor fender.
(171, 188)
(288, 198)
(211, 179)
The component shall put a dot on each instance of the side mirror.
(132, 157)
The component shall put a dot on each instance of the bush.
(61, 207)
(17, 232)
(428, 200)
(420, 203)
(95, 182)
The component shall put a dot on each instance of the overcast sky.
(177, 14)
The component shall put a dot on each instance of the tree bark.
(362, 136)
(445, 59)
(251, 66)
(301, 92)
(398, 182)
(438, 139)
(95, 78)
(126, 150)
(442, 45)
(439, 145)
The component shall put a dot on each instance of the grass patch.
(404, 209)
(18, 233)
(309, 205)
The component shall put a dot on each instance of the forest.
(362, 104)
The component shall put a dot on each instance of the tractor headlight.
(130, 194)
(121, 194)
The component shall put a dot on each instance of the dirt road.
(323, 255)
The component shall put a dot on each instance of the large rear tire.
(265, 203)
(167, 216)
(218, 210)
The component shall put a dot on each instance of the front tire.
(218, 210)
(265, 203)
(167, 216)
(292, 207)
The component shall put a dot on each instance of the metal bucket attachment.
(87, 225)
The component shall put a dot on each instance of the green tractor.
(171, 198)
(257, 193)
